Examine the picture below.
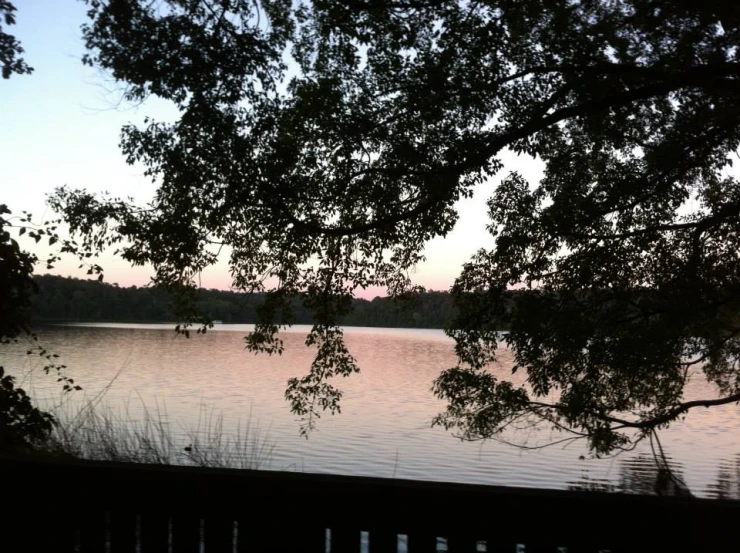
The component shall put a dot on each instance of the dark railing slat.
(344, 539)
(219, 534)
(242, 537)
(253, 535)
(574, 547)
(155, 533)
(93, 530)
(286, 535)
(462, 543)
(123, 528)
(186, 533)
(383, 541)
(540, 546)
(495, 544)
(309, 538)
(422, 542)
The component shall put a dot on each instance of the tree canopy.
(324, 142)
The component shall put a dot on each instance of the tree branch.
(728, 210)
(661, 419)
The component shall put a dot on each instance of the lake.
(384, 428)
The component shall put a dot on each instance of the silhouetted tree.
(22, 424)
(326, 142)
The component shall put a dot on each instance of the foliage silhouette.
(324, 143)
(22, 425)
(10, 49)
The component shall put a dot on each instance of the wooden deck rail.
(91, 507)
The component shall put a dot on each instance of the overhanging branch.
(654, 422)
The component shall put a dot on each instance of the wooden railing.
(64, 506)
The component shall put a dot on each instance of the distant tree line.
(73, 299)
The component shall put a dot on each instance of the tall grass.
(97, 431)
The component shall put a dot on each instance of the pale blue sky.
(61, 126)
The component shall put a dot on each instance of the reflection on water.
(384, 429)
(727, 485)
(643, 475)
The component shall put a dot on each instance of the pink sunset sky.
(61, 126)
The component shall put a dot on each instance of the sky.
(61, 126)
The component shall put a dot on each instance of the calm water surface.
(384, 429)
